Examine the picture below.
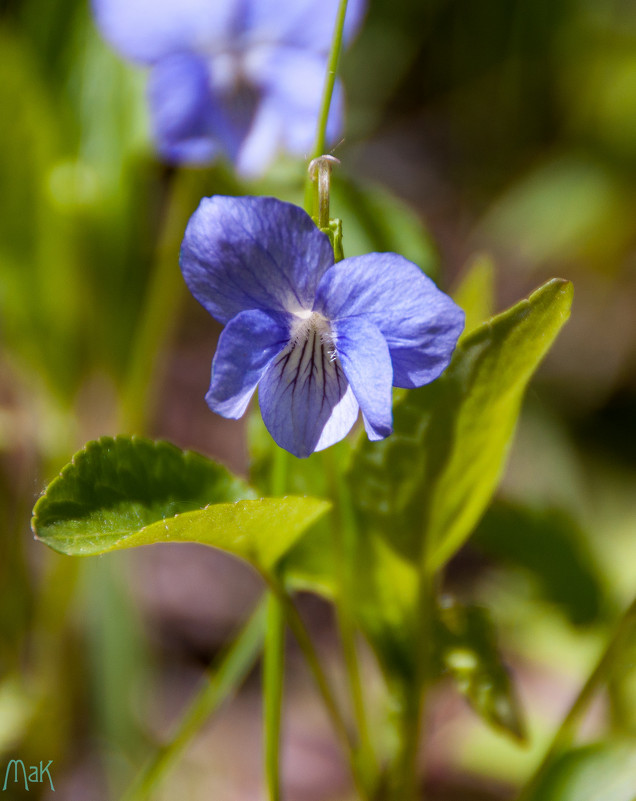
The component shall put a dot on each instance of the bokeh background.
(498, 136)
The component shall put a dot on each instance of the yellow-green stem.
(327, 94)
(273, 675)
(342, 555)
(602, 672)
(303, 639)
(221, 682)
(274, 656)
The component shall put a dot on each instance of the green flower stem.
(165, 294)
(232, 668)
(274, 656)
(273, 676)
(327, 94)
(411, 699)
(624, 630)
(345, 521)
(403, 778)
(330, 80)
(405, 781)
(299, 630)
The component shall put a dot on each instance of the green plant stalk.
(232, 668)
(299, 630)
(325, 103)
(273, 676)
(345, 620)
(274, 657)
(404, 784)
(601, 674)
(404, 775)
(403, 779)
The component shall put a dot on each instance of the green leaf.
(385, 602)
(479, 402)
(467, 650)
(598, 771)
(123, 492)
(431, 481)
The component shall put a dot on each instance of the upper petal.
(301, 23)
(365, 359)
(194, 116)
(147, 30)
(420, 323)
(291, 80)
(243, 253)
(246, 346)
(305, 398)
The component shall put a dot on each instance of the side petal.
(247, 345)
(305, 398)
(146, 30)
(420, 323)
(243, 253)
(365, 359)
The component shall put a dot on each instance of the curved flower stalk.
(321, 340)
(238, 78)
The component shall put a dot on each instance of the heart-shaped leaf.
(123, 492)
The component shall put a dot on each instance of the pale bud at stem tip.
(320, 169)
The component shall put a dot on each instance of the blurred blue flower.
(322, 340)
(240, 78)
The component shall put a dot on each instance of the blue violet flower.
(321, 340)
(238, 78)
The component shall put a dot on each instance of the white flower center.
(306, 322)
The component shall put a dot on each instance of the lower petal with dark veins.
(306, 401)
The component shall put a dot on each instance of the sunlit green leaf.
(437, 473)
(123, 492)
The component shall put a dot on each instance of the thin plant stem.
(299, 630)
(274, 657)
(344, 616)
(223, 680)
(273, 675)
(327, 94)
(601, 674)
(405, 779)
(330, 80)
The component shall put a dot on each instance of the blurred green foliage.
(511, 127)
